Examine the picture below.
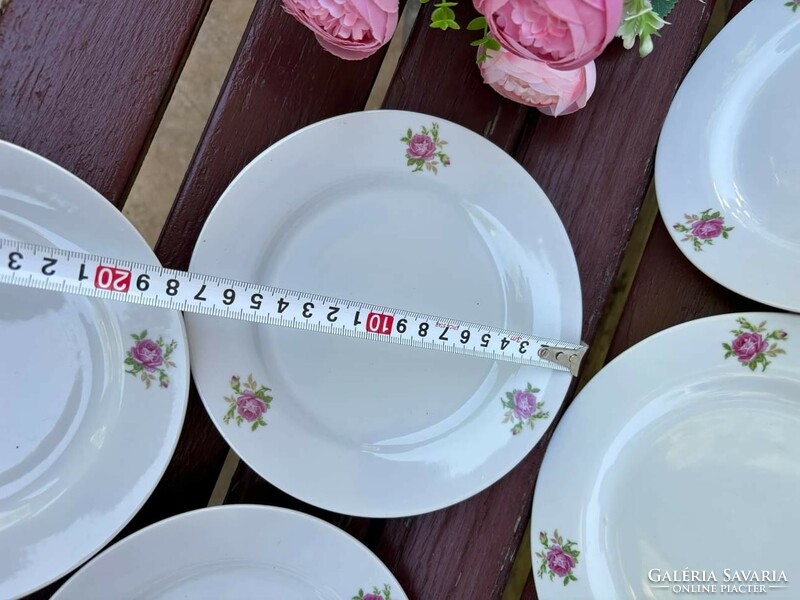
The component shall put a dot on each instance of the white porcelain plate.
(404, 210)
(680, 456)
(727, 172)
(92, 393)
(235, 551)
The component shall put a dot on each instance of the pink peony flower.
(559, 561)
(250, 407)
(373, 597)
(535, 84)
(707, 229)
(350, 29)
(420, 146)
(148, 354)
(565, 34)
(524, 404)
(747, 345)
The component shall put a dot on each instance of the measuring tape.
(35, 266)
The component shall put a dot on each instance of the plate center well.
(53, 359)
(702, 480)
(760, 113)
(413, 245)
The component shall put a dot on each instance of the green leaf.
(493, 44)
(409, 133)
(479, 42)
(443, 14)
(477, 24)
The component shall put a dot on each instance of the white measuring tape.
(35, 266)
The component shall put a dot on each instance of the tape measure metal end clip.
(570, 358)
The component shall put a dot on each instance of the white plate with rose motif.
(680, 455)
(92, 393)
(235, 551)
(727, 173)
(405, 210)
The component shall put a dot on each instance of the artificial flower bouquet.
(536, 52)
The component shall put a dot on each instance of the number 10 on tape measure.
(95, 276)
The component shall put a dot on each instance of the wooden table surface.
(85, 83)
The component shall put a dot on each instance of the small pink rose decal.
(424, 150)
(149, 360)
(524, 408)
(248, 403)
(557, 558)
(702, 229)
(376, 594)
(753, 345)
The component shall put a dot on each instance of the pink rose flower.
(565, 34)
(524, 404)
(373, 597)
(148, 354)
(533, 83)
(748, 345)
(250, 407)
(420, 146)
(559, 561)
(707, 229)
(350, 29)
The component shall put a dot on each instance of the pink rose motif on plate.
(747, 345)
(248, 403)
(703, 229)
(425, 150)
(557, 558)
(376, 594)
(706, 230)
(753, 345)
(148, 354)
(250, 407)
(559, 561)
(150, 360)
(421, 146)
(523, 408)
(564, 34)
(349, 29)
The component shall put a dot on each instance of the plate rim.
(259, 509)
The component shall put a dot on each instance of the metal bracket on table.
(566, 357)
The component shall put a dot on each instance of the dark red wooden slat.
(85, 83)
(280, 81)
(595, 166)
